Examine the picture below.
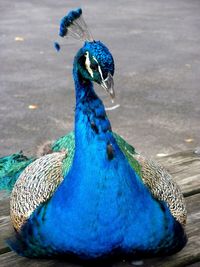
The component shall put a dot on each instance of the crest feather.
(73, 24)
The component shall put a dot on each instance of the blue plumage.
(102, 207)
(68, 20)
(57, 46)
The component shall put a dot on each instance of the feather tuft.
(57, 46)
(74, 25)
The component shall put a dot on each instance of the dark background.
(156, 46)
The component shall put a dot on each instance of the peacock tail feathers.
(10, 169)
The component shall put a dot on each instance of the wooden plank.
(190, 254)
(10, 259)
(5, 225)
(185, 169)
(5, 231)
(4, 204)
(197, 264)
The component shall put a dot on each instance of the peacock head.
(93, 61)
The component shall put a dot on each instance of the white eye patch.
(87, 64)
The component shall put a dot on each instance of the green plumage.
(10, 169)
(65, 142)
(129, 152)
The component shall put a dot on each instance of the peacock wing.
(36, 185)
(163, 187)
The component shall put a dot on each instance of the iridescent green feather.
(10, 169)
(129, 152)
(65, 142)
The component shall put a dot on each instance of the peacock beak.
(108, 85)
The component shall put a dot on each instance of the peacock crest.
(74, 25)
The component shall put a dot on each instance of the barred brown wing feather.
(35, 185)
(163, 187)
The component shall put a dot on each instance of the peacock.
(92, 196)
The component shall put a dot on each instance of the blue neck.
(91, 122)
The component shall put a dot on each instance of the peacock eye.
(94, 66)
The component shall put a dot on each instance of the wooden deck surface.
(185, 168)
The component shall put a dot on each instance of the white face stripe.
(95, 60)
(101, 74)
(100, 71)
(87, 64)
